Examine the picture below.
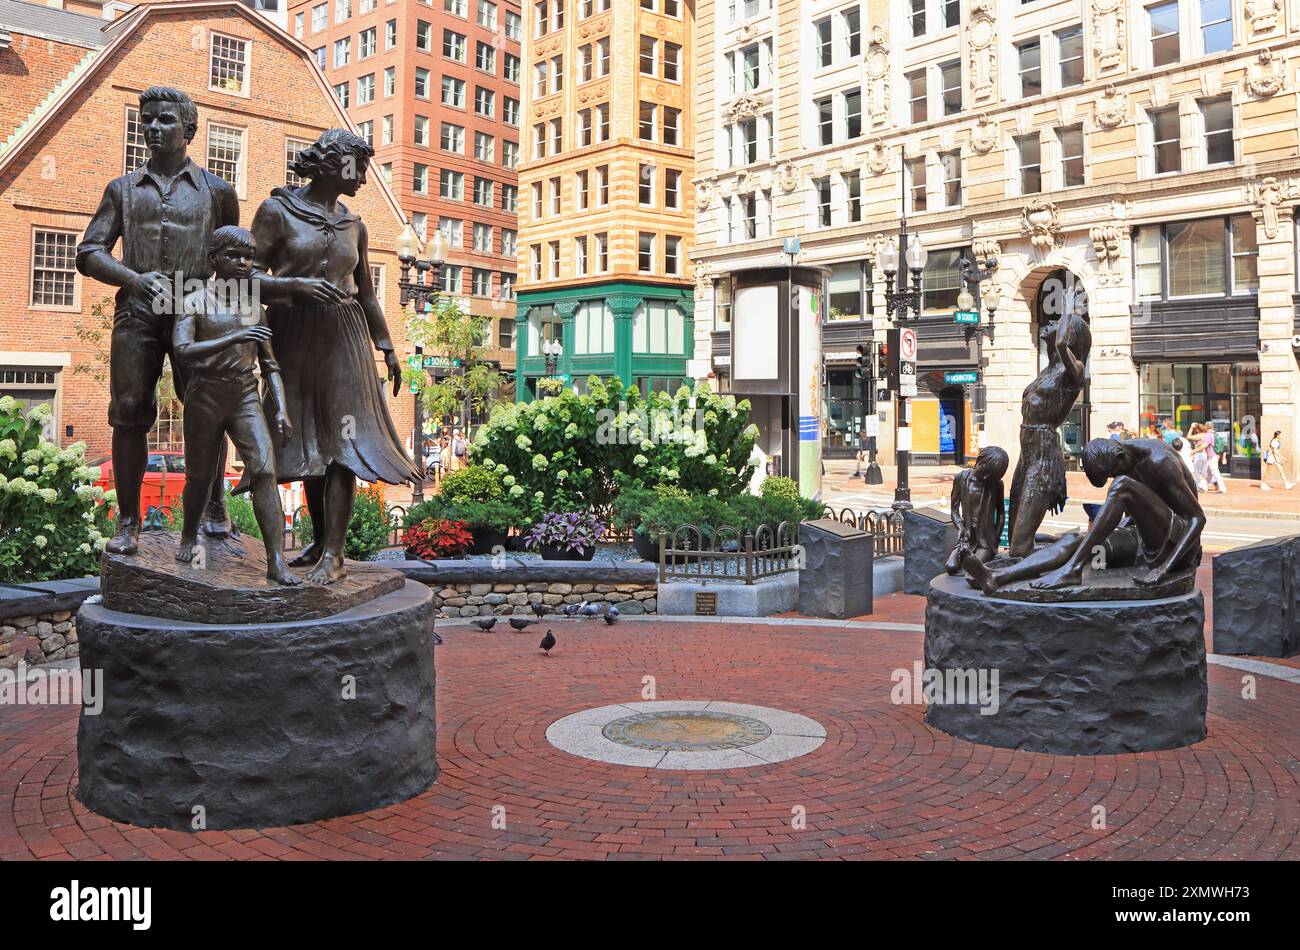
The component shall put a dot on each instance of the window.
(342, 92)
(1217, 116)
(722, 304)
(451, 138)
(1167, 154)
(506, 327)
(319, 17)
(917, 15)
(916, 183)
(535, 261)
(420, 178)
(320, 57)
(454, 45)
(510, 111)
(602, 252)
(366, 130)
(672, 55)
(602, 122)
(484, 102)
(453, 92)
(951, 13)
(483, 192)
(298, 28)
(853, 192)
(1211, 257)
(646, 122)
(1216, 26)
(553, 259)
(485, 57)
(941, 279)
(916, 95)
(54, 269)
(581, 191)
(822, 195)
(1030, 59)
(853, 113)
(451, 278)
(950, 163)
(645, 252)
(1245, 255)
(510, 198)
(580, 256)
(672, 189)
(539, 140)
(453, 231)
(487, 15)
(539, 205)
(137, 153)
(540, 80)
(482, 282)
(366, 89)
(1069, 48)
(228, 65)
(483, 238)
(602, 185)
(454, 7)
(950, 84)
(390, 81)
(671, 119)
(366, 43)
(646, 184)
(226, 154)
(484, 147)
(672, 255)
(422, 83)
(514, 26)
(557, 136)
(291, 149)
(342, 51)
(584, 127)
(512, 68)
(593, 328)
(390, 34)
(585, 63)
(845, 291)
(658, 327)
(342, 10)
(825, 120)
(1163, 21)
(386, 133)
(555, 192)
(509, 154)
(1072, 166)
(602, 57)
(824, 46)
(1146, 263)
(853, 32)
(1031, 164)
(452, 185)
(647, 57)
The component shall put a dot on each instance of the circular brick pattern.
(881, 785)
(686, 731)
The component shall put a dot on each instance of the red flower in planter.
(438, 538)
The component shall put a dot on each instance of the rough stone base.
(1257, 599)
(39, 638)
(928, 539)
(761, 599)
(486, 600)
(1075, 678)
(256, 725)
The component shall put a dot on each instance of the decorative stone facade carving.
(878, 77)
(747, 183)
(981, 41)
(877, 158)
(984, 136)
(1269, 194)
(703, 195)
(1106, 242)
(703, 273)
(985, 249)
(745, 107)
(1111, 108)
(1040, 221)
(1266, 76)
(1108, 31)
(787, 177)
(1264, 16)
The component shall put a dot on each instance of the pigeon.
(590, 610)
(570, 609)
(519, 623)
(611, 615)
(547, 643)
(485, 623)
(539, 610)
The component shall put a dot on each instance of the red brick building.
(434, 86)
(75, 82)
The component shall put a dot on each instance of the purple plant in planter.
(566, 530)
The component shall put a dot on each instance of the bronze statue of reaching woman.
(326, 322)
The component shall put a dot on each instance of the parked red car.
(164, 479)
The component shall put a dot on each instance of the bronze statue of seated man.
(1151, 518)
(977, 509)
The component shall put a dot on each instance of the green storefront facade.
(643, 333)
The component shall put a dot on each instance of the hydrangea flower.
(40, 541)
(540, 462)
(640, 459)
(8, 448)
(523, 442)
(516, 490)
(509, 482)
(49, 496)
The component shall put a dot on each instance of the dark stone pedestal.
(836, 577)
(928, 538)
(1255, 599)
(1077, 678)
(258, 724)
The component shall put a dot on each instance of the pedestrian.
(1213, 479)
(1116, 431)
(1184, 451)
(459, 449)
(1274, 458)
(446, 461)
(1168, 431)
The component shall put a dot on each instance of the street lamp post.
(552, 350)
(904, 305)
(420, 289)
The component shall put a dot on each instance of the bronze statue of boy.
(164, 213)
(220, 337)
(977, 509)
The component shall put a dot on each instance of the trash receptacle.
(835, 579)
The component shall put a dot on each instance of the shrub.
(438, 538)
(242, 516)
(499, 516)
(567, 530)
(54, 521)
(778, 486)
(472, 483)
(433, 507)
(367, 531)
(549, 386)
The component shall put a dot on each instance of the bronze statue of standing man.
(164, 213)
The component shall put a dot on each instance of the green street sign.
(441, 362)
(414, 386)
(413, 363)
(965, 376)
(965, 316)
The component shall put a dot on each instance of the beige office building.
(1134, 162)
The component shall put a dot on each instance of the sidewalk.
(931, 484)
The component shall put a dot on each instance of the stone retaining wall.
(484, 599)
(40, 638)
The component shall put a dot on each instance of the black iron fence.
(726, 554)
(885, 527)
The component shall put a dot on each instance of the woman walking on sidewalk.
(1273, 457)
(1212, 476)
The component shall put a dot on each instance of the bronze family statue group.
(1149, 526)
(191, 286)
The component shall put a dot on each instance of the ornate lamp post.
(904, 305)
(552, 350)
(420, 291)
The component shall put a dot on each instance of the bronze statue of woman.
(1038, 485)
(326, 321)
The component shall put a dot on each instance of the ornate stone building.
(605, 213)
(1135, 162)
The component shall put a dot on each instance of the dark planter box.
(485, 540)
(646, 547)
(564, 554)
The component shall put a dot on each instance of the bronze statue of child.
(977, 508)
(220, 337)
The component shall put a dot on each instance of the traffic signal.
(864, 364)
(882, 361)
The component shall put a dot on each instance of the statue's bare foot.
(279, 572)
(1057, 579)
(126, 540)
(328, 570)
(185, 553)
(1150, 578)
(307, 556)
(979, 573)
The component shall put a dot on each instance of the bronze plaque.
(686, 731)
(706, 605)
